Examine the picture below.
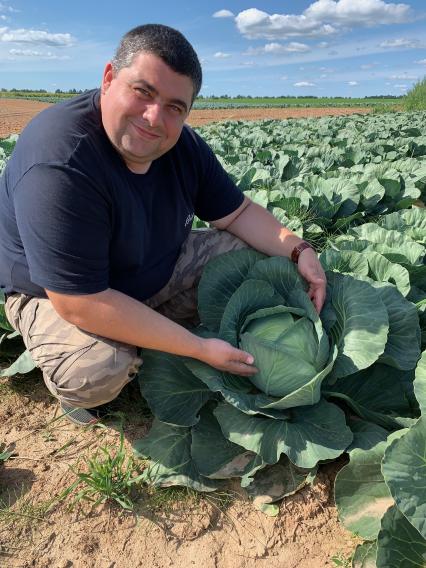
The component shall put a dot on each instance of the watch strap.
(298, 249)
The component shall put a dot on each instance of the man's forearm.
(117, 316)
(259, 228)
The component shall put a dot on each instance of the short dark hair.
(166, 43)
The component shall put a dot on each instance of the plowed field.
(16, 113)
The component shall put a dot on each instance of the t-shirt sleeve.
(218, 195)
(65, 227)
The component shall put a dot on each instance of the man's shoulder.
(54, 135)
(59, 127)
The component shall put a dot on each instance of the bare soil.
(179, 530)
(16, 113)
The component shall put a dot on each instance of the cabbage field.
(349, 382)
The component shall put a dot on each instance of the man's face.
(144, 107)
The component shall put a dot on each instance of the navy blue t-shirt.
(74, 219)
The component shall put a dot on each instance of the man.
(97, 257)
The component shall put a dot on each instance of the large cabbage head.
(289, 348)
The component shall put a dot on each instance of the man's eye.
(143, 92)
(176, 109)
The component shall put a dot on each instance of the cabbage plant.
(273, 429)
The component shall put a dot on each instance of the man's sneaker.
(80, 416)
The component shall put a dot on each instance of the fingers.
(317, 295)
(237, 368)
(241, 363)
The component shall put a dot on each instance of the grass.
(24, 511)
(416, 97)
(109, 477)
(341, 560)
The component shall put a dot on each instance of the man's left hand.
(310, 268)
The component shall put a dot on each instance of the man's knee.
(97, 377)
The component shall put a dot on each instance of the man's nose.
(153, 114)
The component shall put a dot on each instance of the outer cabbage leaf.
(404, 470)
(215, 456)
(169, 448)
(360, 338)
(313, 434)
(399, 544)
(220, 278)
(173, 393)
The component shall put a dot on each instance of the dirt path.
(16, 113)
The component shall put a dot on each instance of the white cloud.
(402, 87)
(353, 83)
(221, 55)
(279, 48)
(358, 13)
(223, 14)
(421, 62)
(284, 78)
(255, 24)
(7, 8)
(321, 18)
(401, 42)
(35, 37)
(38, 54)
(368, 66)
(323, 44)
(403, 77)
(304, 84)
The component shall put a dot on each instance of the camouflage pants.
(86, 370)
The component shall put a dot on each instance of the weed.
(22, 512)
(110, 477)
(166, 499)
(341, 560)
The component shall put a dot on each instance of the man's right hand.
(223, 356)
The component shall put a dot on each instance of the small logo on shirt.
(189, 219)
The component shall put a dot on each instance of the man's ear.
(107, 77)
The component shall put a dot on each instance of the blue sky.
(320, 47)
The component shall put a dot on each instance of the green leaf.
(345, 261)
(402, 349)
(360, 338)
(313, 434)
(234, 392)
(365, 555)
(366, 434)
(394, 245)
(23, 364)
(173, 393)
(4, 324)
(377, 395)
(399, 545)
(404, 470)
(277, 481)
(280, 273)
(383, 270)
(252, 295)
(420, 383)
(221, 277)
(169, 448)
(215, 456)
(361, 494)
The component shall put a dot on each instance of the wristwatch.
(298, 249)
